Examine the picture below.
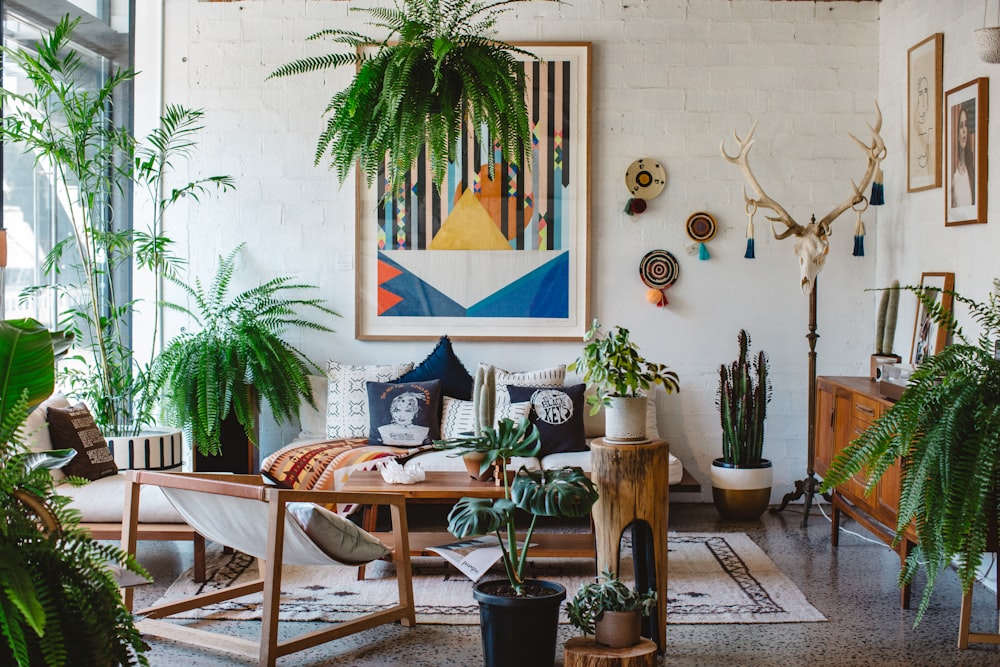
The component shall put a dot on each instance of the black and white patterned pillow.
(544, 377)
(347, 396)
(458, 418)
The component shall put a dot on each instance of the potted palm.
(741, 477)
(236, 357)
(95, 162)
(518, 607)
(61, 602)
(610, 610)
(945, 427)
(621, 376)
(436, 72)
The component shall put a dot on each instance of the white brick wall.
(671, 79)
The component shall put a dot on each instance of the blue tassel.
(859, 246)
(878, 192)
(703, 251)
(749, 252)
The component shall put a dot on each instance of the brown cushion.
(74, 427)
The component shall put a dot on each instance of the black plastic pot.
(519, 631)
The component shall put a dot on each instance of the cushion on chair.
(443, 364)
(558, 414)
(74, 428)
(347, 396)
(405, 414)
(339, 538)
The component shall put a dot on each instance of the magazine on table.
(474, 556)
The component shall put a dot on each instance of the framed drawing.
(923, 113)
(928, 337)
(491, 257)
(967, 114)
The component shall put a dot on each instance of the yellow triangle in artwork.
(469, 227)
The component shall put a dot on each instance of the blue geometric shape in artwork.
(542, 293)
(419, 299)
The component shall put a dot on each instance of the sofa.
(101, 501)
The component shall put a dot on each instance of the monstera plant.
(436, 71)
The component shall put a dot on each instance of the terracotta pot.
(473, 463)
(618, 629)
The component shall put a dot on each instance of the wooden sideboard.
(845, 407)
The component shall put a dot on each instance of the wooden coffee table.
(445, 487)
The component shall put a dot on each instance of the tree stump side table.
(634, 490)
(585, 652)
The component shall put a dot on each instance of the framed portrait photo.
(923, 113)
(928, 337)
(966, 117)
(488, 256)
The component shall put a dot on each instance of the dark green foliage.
(59, 602)
(566, 492)
(608, 593)
(946, 428)
(435, 71)
(236, 358)
(66, 127)
(613, 364)
(744, 392)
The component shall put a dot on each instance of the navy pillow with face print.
(404, 414)
(558, 414)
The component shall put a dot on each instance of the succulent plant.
(744, 392)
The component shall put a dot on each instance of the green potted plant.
(95, 163)
(610, 610)
(517, 607)
(621, 376)
(235, 357)
(61, 602)
(946, 429)
(741, 477)
(436, 72)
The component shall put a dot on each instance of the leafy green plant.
(60, 602)
(946, 429)
(566, 492)
(744, 392)
(613, 364)
(608, 593)
(95, 164)
(236, 357)
(436, 72)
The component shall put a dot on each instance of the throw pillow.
(405, 414)
(74, 427)
(545, 377)
(459, 417)
(443, 364)
(347, 396)
(336, 536)
(34, 431)
(558, 414)
(313, 420)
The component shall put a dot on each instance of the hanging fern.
(946, 428)
(436, 72)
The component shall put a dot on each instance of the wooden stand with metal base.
(634, 487)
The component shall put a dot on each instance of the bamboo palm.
(946, 429)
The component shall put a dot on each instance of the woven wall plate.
(659, 269)
(701, 226)
(645, 178)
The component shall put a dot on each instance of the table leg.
(369, 517)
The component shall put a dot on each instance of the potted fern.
(945, 427)
(61, 602)
(741, 477)
(518, 607)
(219, 373)
(436, 72)
(610, 610)
(612, 364)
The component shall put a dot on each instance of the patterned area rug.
(713, 578)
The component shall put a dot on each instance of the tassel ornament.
(751, 211)
(703, 252)
(878, 191)
(657, 297)
(859, 229)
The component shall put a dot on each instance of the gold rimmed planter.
(741, 493)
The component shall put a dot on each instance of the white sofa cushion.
(313, 420)
(103, 501)
(35, 429)
(347, 396)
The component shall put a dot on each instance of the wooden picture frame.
(519, 269)
(928, 337)
(924, 65)
(966, 120)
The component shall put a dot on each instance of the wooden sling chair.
(276, 526)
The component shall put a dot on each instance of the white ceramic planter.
(988, 44)
(741, 494)
(625, 420)
(154, 449)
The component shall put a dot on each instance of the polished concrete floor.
(853, 586)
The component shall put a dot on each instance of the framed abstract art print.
(489, 256)
(923, 111)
